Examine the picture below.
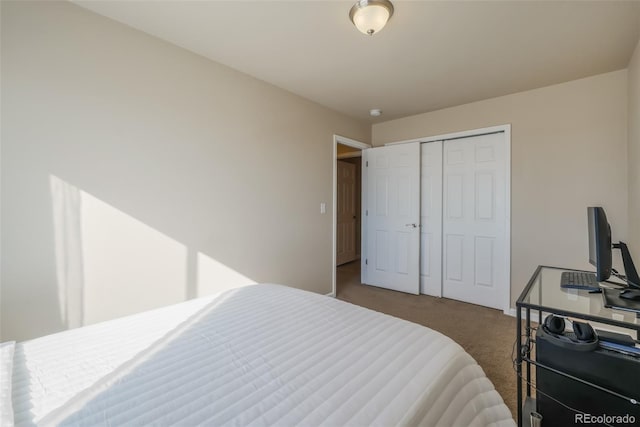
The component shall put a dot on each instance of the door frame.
(338, 139)
(506, 128)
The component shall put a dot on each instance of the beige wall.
(137, 174)
(634, 155)
(569, 151)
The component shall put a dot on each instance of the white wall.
(569, 151)
(634, 155)
(137, 174)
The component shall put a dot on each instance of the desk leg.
(519, 363)
(528, 335)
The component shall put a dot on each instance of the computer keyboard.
(579, 280)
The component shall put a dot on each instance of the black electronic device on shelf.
(597, 382)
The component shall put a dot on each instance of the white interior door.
(431, 219)
(346, 213)
(393, 217)
(474, 220)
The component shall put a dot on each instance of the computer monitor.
(600, 250)
(599, 242)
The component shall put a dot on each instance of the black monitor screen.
(599, 242)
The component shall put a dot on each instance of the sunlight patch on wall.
(213, 276)
(65, 199)
(128, 266)
(110, 264)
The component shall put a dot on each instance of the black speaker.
(612, 370)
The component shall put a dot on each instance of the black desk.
(544, 295)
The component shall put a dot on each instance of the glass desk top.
(545, 294)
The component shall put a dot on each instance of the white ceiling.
(430, 56)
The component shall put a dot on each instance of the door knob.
(411, 225)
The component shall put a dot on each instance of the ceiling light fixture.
(376, 112)
(370, 16)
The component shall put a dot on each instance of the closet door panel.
(431, 219)
(393, 217)
(474, 221)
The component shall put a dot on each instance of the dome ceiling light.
(370, 16)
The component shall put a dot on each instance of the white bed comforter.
(259, 355)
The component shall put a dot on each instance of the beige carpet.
(486, 334)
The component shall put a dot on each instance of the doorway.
(347, 212)
(349, 183)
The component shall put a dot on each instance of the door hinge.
(367, 164)
(366, 262)
(366, 212)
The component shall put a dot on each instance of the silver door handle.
(411, 225)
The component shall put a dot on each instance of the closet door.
(474, 220)
(393, 217)
(431, 219)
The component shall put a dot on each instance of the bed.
(258, 355)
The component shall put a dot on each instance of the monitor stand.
(611, 298)
(629, 267)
